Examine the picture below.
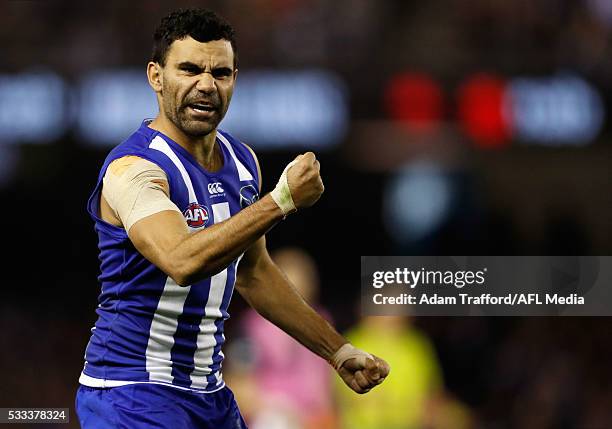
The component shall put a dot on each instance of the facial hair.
(179, 114)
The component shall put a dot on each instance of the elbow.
(180, 280)
(181, 273)
(186, 273)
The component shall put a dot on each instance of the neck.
(203, 148)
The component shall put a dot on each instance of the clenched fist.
(362, 377)
(300, 184)
(360, 371)
(304, 180)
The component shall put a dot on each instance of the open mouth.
(202, 107)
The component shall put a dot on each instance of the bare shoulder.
(119, 165)
(137, 166)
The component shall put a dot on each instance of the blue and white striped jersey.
(149, 329)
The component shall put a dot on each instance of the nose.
(206, 83)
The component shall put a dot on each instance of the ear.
(235, 74)
(154, 74)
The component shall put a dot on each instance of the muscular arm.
(163, 236)
(264, 286)
(164, 239)
(135, 196)
(139, 193)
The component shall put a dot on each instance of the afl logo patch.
(248, 195)
(196, 215)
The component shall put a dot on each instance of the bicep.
(137, 192)
(252, 266)
(155, 236)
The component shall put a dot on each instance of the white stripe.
(206, 343)
(243, 173)
(86, 380)
(163, 328)
(161, 145)
(172, 300)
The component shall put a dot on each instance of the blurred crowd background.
(476, 127)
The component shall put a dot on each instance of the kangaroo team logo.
(248, 195)
(196, 215)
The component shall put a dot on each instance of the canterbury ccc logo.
(215, 188)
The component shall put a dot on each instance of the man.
(179, 222)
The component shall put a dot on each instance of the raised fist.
(304, 180)
(300, 184)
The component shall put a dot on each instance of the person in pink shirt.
(293, 385)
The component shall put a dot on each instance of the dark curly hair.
(201, 24)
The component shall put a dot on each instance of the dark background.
(505, 193)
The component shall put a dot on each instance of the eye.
(222, 73)
(189, 69)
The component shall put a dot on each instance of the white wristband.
(281, 194)
(346, 352)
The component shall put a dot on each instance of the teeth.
(202, 108)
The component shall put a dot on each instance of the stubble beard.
(190, 127)
(179, 116)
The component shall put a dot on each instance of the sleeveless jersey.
(149, 329)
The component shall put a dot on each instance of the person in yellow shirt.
(408, 399)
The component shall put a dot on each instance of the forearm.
(164, 239)
(269, 292)
(209, 251)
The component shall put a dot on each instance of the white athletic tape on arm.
(346, 352)
(134, 193)
(281, 194)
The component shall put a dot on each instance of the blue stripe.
(186, 336)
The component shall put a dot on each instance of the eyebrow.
(188, 65)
